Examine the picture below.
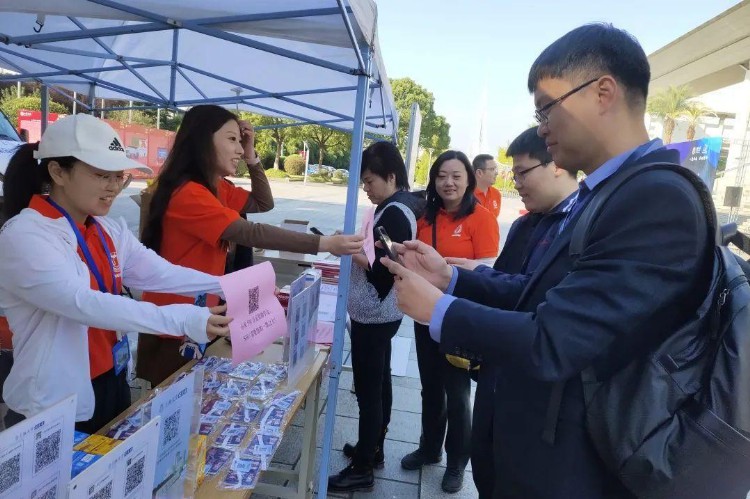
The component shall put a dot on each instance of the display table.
(301, 479)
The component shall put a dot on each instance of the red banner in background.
(148, 146)
(31, 121)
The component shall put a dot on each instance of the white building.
(714, 60)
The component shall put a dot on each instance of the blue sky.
(452, 47)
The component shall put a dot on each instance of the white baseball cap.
(87, 139)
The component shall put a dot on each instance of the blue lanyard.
(87, 254)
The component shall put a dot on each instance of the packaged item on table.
(263, 388)
(247, 370)
(231, 435)
(79, 436)
(216, 458)
(272, 420)
(127, 426)
(211, 382)
(247, 412)
(97, 444)
(81, 461)
(242, 474)
(278, 370)
(233, 389)
(197, 459)
(208, 424)
(224, 366)
(207, 362)
(263, 447)
(285, 400)
(215, 407)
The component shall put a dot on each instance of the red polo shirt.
(491, 200)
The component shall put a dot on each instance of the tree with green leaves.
(279, 136)
(693, 114)
(435, 132)
(326, 140)
(669, 105)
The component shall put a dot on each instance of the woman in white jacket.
(62, 266)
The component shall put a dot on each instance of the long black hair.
(435, 202)
(25, 176)
(192, 158)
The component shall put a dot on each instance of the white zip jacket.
(46, 294)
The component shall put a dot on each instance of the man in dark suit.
(546, 191)
(644, 269)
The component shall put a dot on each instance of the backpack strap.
(578, 242)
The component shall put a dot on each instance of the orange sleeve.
(485, 236)
(235, 197)
(196, 211)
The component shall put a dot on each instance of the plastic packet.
(208, 424)
(231, 435)
(285, 400)
(216, 407)
(233, 389)
(211, 382)
(263, 388)
(247, 370)
(272, 420)
(262, 446)
(246, 413)
(216, 458)
(278, 370)
(224, 366)
(242, 474)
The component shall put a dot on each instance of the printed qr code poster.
(125, 472)
(36, 454)
(175, 405)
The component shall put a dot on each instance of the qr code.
(50, 493)
(171, 425)
(10, 473)
(253, 302)
(47, 451)
(103, 493)
(134, 475)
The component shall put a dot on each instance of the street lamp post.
(306, 150)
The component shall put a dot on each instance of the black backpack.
(676, 423)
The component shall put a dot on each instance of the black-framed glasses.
(541, 115)
(518, 177)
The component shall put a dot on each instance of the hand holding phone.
(387, 244)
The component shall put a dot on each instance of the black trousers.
(446, 402)
(482, 462)
(111, 397)
(371, 366)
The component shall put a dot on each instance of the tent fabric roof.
(294, 59)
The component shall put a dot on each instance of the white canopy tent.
(296, 60)
(312, 61)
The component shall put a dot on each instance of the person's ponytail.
(25, 177)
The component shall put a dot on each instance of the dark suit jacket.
(645, 268)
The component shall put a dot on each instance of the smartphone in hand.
(387, 244)
(315, 231)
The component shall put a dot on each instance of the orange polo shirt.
(192, 227)
(491, 200)
(474, 237)
(101, 341)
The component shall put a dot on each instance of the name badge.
(121, 355)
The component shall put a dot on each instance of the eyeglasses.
(542, 114)
(518, 177)
(122, 180)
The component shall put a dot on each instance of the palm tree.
(669, 105)
(694, 112)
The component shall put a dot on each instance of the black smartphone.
(315, 231)
(387, 244)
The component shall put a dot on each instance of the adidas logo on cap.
(116, 146)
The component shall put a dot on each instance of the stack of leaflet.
(329, 271)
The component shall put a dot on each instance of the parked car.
(9, 141)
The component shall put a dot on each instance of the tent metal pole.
(45, 107)
(350, 218)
